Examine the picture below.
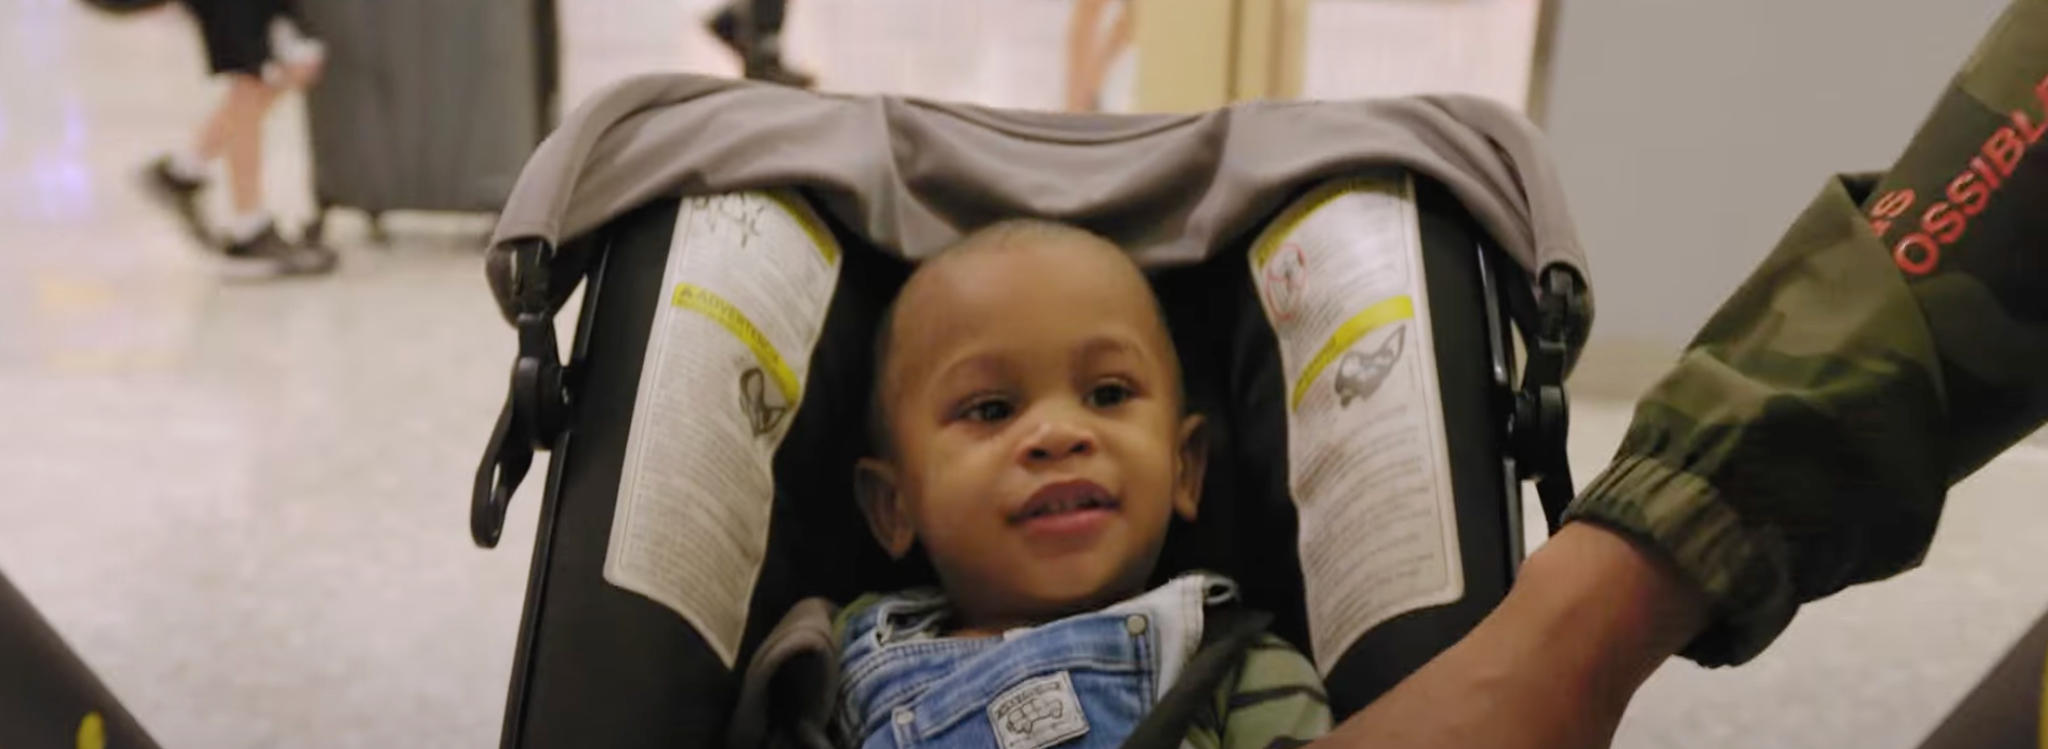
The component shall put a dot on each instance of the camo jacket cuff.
(1744, 571)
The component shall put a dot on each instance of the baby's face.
(1039, 445)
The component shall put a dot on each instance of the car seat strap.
(1225, 637)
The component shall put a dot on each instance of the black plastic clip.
(1542, 415)
(537, 406)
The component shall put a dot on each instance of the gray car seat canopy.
(910, 176)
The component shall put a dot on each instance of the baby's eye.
(1109, 394)
(988, 410)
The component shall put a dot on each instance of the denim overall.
(1082, 682)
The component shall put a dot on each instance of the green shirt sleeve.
(1274, 700)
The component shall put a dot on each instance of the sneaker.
(759, 64)
(179, 194)
(726, 26)
(270, 255)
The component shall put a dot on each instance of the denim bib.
(1083, 682)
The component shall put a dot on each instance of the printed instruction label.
(745, 291)
(1340, 278)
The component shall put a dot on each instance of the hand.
(1591, 617)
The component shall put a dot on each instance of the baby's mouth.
(1063, 498)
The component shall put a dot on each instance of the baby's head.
(1029, 415)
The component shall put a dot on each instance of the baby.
(1034, 445)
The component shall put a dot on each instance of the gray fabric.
(787, 693)
(910, 176)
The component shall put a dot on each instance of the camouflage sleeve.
(1274, 701)
(1893, 342)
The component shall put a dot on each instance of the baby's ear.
(875, 486)
(1191, 461)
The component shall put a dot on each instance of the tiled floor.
(244, 504)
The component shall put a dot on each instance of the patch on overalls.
(1037, 713)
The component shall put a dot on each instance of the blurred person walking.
(239, 45)
(1090, 50)
(753, 30)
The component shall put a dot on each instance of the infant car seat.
(1339, 278)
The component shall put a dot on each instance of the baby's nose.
(1056, 440)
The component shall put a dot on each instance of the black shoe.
(176, 193)
(269, 255)
(758, 63)
(726, 26)
(773, 71)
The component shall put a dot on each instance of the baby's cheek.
(954, 528)
(962, 553)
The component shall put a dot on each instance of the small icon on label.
(1360, 374)
(1285, 277)
(762, 405)
(1037, 713)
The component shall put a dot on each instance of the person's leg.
(1083, 76)
(239, 140)
(763, 56)
(296, 64)
(236, 130)
(764, 53)
(1119, 37)
(768, 16)
(237, 45)
(725, 24)
(753, 29)
(252, 234)
(237, 35)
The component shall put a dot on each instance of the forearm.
(1603, 607)
(1590, 619)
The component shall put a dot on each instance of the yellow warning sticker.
(827, 245)
(92, 732)
(702, 301)
(1389, 310)
(1273, 237)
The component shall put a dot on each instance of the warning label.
(750, 277)
(1340, 279)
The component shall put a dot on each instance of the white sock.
(301, 51)
(293, 47)
(248, 226)
(185, 164)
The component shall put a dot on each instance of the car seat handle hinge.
(538, 394)
(537, 404)
(506, 460)
(1542, 417)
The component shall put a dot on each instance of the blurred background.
(242, 501)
